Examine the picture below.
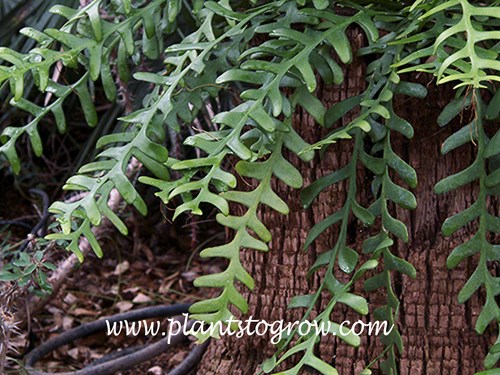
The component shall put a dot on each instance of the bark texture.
(438, 332)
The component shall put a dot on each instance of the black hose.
(116, 354)
(192, 359)
(127, 358)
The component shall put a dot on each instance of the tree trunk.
(438, 332)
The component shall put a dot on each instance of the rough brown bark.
(438, 332)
